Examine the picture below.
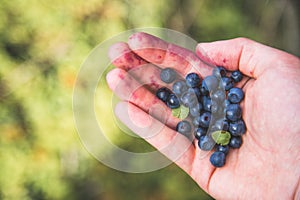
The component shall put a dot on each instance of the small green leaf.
(181, 112)
(221, 137)
(184, 112)
(176, 112)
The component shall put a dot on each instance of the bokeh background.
(42, 45)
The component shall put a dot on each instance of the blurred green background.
(42, 45)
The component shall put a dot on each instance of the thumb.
(248, 56)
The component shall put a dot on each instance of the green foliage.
(221, 137)
(181, 112)
(42, 45)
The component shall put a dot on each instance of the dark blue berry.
(206, 102)
(233, 112)
(220, 124)
(235, 95)
(237, 128)
(236, 76)
(206, 143)
(235, 142)
(192, 80)
(200, 132)
(219, 72)
(168, 75)
(216, 107)
(204, 89)
(179, 87)
(218, 95)
(210, 83)
(196, 91)
(195, 110)
(196, 121)
(189, 99)
(173, 101)
(184, 127)
(217, 159)
(226, 83)
(226, 103)
(224, 149)
(203, 120)
(163, 94)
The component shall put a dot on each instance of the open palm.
(267, 164)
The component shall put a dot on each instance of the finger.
(164, 54)
(250, 57)
(128, 89)
(145, 73)
(149, 76)
(122, 56)
(172, 144)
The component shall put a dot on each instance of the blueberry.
(195, 110)
(220, 124)
(196, 121)
(219, 72)
(226, 103)
(235, 142)
(184, 127)
(226, 83)
(224, 149)
(204, 89)
(206, 143)
(233, 112)
(236, 76)
(203, 120)
(168, 75)
(235, 95)
(188, 99)
(196, 91)
(179, 87)
(200, 132)
(218, 95)
(217, 159)
(210, 83)
(206, 101)
(237, 128)
(163, 94)
(173, 101)
(192, 80)
(216, 107)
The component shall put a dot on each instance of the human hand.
(267, 164)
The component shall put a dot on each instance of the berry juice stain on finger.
(251, 73)
(134, 97)
(128, 57)
(121, 76)
(139, 59)
(155, 101)
(153, 83)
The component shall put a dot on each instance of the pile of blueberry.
(209, 109)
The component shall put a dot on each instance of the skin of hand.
(267, 166)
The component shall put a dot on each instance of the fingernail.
(113, 77)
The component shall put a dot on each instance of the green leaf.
(176, 112)
(221, 137)
(184, 112)
(181, 112)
